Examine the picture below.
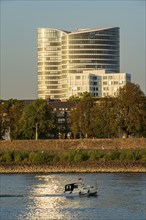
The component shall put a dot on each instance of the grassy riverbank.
(87, 155)
(80, 160)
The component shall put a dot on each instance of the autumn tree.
(103, 123)
(131, 110)
(81, 116)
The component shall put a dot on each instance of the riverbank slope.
(58, 147)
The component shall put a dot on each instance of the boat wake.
(32, 195)
(37, 195)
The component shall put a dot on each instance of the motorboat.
(79, 189)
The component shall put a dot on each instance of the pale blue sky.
(20, 19)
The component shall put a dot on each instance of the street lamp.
(36, 131)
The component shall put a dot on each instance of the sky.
(20, 20)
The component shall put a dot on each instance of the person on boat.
(80, 181)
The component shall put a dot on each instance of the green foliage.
(40, 157)
(10, 114)
(37, 119)
(2, 157)
(81, 116)
(127, 155)
(123, 115)
(9, 156)
(20, 156)
(81, 156)
(115, 155)
(130, 106)
(73, 156)
(95, 154)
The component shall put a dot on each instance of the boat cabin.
(71, 187)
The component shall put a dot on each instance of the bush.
(64, 156)
(56, 158)
(18, 157)
(129, 155)
(96, 155)
(122, 155)
(92, 155)
(71, 155)
(2, 157)
(138, 154)
(78, 157)
(40, 157)
(108, 156)
(9, 156)
(115, 155)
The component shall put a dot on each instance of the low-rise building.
(99, 83)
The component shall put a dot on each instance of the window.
(115, 82)
(105, 83)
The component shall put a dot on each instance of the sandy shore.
(82, 167)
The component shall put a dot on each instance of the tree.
(77, 98)
(10, 113)
(81, 116)
(37, 121)
(131, 110)
(104, 118)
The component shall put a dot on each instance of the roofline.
(91, 30)
(64, 31)
(80, 31)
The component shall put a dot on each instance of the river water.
(121, 196)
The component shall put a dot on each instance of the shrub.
(78, 157)
(17, 156)
(122, 155)
(108, 156)
(56, 158)
(2, 157)
(71, 155)
(9, 156)
(115, 155)
(95, 155)
(129, 155)
(64, 156)
(138, 154)
(92, 155)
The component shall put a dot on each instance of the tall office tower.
(61, 53)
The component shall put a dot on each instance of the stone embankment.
(82, 167)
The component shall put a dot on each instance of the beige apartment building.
(63, 56)
(100, 83)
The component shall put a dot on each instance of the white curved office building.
(62, 53)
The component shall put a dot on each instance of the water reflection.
(41, 206)
(46, 200)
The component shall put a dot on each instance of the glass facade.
(61, 53)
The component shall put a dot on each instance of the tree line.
(123, 115)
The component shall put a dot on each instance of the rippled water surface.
(39, 196)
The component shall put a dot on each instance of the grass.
(44, 157)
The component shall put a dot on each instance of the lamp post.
(36, 131)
